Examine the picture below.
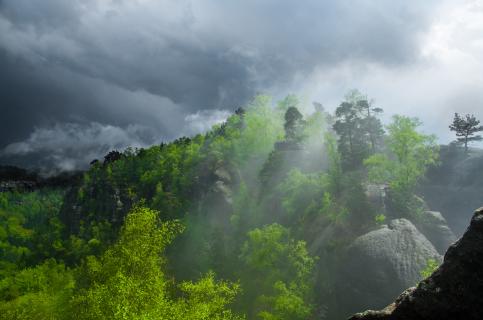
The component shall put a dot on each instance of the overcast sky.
(79, 78)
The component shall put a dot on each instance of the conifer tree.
(358, 128)
(466, 128)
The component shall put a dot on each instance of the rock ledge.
(453, 291)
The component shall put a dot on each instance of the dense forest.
(257, 218)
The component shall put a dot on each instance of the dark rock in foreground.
(453, 291)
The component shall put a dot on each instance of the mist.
(237, 160)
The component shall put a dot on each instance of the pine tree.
(358, 128)
(466, 127)
(293, 126)
(370, 123)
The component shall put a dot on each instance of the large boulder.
(435, 228)
(453, 291)
(380, 264)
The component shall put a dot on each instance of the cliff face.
(14, 179)
(453, 291)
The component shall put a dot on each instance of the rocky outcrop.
(430, 223)
(217, 197)
(15, 179)
(453, 291)
(223, 184)
(382, 263)
(376, 195)
(435, 228)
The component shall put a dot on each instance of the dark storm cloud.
(40, 96)
(158, 64)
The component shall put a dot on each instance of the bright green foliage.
(249, 135)
(410, 154)
(278, 275)
(286, 303)
(207, 299)
(431, 266)
(380, 218)
(173, 176)
(42, 292)
(262, 128)
(233, 188)
(128, 281)
(306, 196)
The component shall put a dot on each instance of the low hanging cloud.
(71, 146)
(203, 120)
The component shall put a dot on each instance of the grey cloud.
(154, 63)
(190, 52)
(70, 146)
(201, 121)
(40, 95)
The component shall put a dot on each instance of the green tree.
(371, 123)
(30, 230)
(300, 193)
(41, 292)
(294, 125)
(14, 241)
(358, 128)
(409, 155)
(466, 128)
(248, 136)
(128, 281)
(263, 127)
(290, 100)
(278, 274)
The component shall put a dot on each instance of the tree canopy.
(247, 220)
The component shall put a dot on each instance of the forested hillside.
(273, 214)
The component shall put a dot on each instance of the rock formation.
(453, 291)
(382, 263)
(435, 228)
